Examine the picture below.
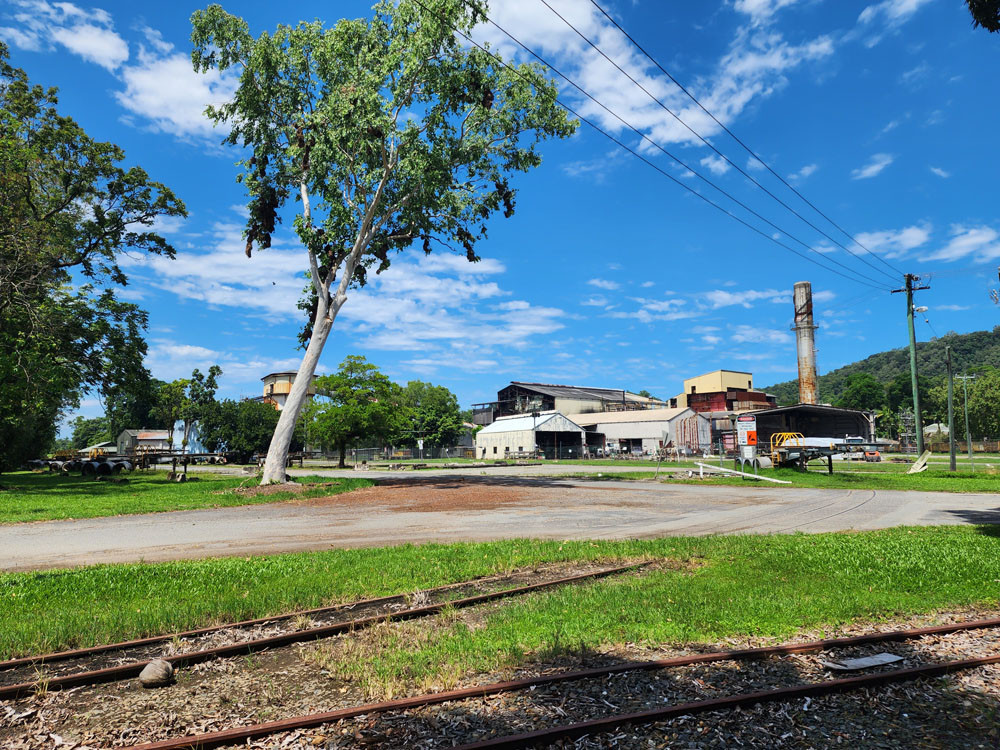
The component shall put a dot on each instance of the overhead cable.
(706, 142)
(750, 151)
(861, 278)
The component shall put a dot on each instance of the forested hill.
(969, 352)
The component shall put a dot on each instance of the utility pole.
(951, 413)
(917, 414)
(968, 436)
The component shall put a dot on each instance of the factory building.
(524, 398)
(645, 431)
(550, 434)
(723, 390)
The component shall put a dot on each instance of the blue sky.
(883, 114)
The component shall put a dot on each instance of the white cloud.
(940, 172)
(885, 17)
(752, 68)
(892, 12)
(981, 243)
(605, 284)
(163, 92)
(755, 164)
(807, 170)
(87, 33)
(747, 334)
(761, 11)
(895, 243)
(874, 167)
(952, 308)
(720, 298)
(647, 284)
(715, 164)
(596, 300)
(825, 295)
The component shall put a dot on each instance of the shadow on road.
(988, 521)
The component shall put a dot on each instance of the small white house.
(549, 434)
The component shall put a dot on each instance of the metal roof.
(522, 422)
(582, 393)
(153, 435)
(639, 415)
(807, 408)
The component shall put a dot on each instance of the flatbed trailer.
(794, 449)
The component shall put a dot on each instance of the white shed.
(646, 430)
(549, 434)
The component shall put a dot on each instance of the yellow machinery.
(781, 442)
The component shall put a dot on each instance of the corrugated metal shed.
(549, 421)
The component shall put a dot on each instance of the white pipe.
(743, 474)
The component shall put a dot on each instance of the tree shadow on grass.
(987, 522)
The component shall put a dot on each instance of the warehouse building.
(646, 431)
(524, 398)
(549, 434)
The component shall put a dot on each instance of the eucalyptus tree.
(388, 132)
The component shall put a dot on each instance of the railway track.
(575, 729)
(62, 670)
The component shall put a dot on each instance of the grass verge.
(931, 480)
(726, 586)
(28, 496)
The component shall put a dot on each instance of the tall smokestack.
(805, 342)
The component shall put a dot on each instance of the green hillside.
(970, 352)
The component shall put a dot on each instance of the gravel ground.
(956, 711)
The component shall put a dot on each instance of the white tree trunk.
(277, 453)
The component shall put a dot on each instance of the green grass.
(735, 585)
(931, 480)
(36, 497)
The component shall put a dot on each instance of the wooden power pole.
(917, 414)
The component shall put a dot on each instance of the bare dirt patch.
(433, 495)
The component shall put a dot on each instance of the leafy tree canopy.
(360, 405)
(434, 415)
(239, 427)
(88, 432)
(388, 131)
(985, 13)
(67, 211)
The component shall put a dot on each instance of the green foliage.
(984, 406)
(88, 432)
(40, 497)
(65, 206)
(389, 131)
(238, 427)
(862, 391)
(434, 415)
(170, 405)
(973, 352)
(985, 13)
(361, 405)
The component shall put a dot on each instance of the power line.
(698, 135)
(862, 279)
(741, 143)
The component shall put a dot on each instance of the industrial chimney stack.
(805, 342)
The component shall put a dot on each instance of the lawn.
(725, 586)
(28, 496)
(853, 478)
